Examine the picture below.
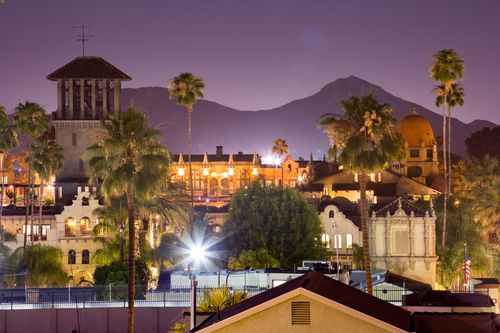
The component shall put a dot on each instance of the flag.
(466, 268)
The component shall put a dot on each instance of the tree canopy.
(484, 142)
(278, 220)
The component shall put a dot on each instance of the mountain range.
(254, 131)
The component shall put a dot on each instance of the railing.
(100, 296)
(171, 296)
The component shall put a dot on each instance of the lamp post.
(337, 243)
(197, 254)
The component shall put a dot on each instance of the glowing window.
(85, 226)
(337, 241)
(325, 238)
(70, 227)
(348, 241)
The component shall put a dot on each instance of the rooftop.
(88, 68)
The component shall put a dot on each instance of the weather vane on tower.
(83, 37)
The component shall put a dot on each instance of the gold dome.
(416, 130)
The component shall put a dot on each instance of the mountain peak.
(351, 82)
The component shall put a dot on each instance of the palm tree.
(8, 140)
(30, 119)
(48, 160)
(280, 148)
(370, 147)
(128, 159)
(186, 88)
(446, 69)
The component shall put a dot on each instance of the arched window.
(337, 241)
(70, 227)
(85, 257)
(325, 238)
(225, 186)
(213, 186)
(348, 241)
(414, 172)
(197, 180)
(71, 257)
(244, 178)
(85, 226)
(331, 214)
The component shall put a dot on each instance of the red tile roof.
(88, 68)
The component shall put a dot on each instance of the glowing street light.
(197, 254)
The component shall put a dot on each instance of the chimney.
(218, 150)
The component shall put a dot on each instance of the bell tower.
(88, 90)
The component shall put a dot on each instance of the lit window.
(356, 177)
(85, 226)
(379, 177)
(224, 186)
(244, 178)
(348, 241)
(372, 177)
(325, 238)
(180, 171)
(213, 186)
(70, 227)
(337, 241)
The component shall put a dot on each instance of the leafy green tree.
(30, 119)
(186, 88)
(447, 67)
(259, 258)
(216, 299)
(370, 147)
(461, 230)
(280, 148)
(8, 141)
(479, 182)
(41, 264)
(484, 142)
(129, 159)
(47, 160)
(278, 220)
(357, 257)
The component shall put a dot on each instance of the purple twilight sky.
(256, 54)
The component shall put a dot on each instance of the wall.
(103, 320)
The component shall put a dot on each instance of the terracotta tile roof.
(88, 68)
(327, 287)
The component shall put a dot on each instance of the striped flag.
(466, 268)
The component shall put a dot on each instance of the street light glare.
(197, 252)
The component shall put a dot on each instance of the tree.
(47, 160)
(484, 142)
(461, 230)
(186, 88)
(278, 220)
(259, 258)
(8, 140)
(129, 159)
(280, 148)
(30, 119)
(370, 147)
(479, 182)
(41, 264)
(357, 257)
(446, 69)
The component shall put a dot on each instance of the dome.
(416, 129)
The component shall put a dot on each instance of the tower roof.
(416, 130)
(88, 68)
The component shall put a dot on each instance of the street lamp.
(337, 243)
(197, 254)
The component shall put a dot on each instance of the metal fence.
(100, 296)
(163, 296)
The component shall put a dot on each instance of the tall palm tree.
(186, 88)
(30, 119)
(48, 160)
(8, 140)
(280, 148)
(447, 67)
(370, 147)
(128, 159)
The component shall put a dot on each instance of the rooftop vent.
(301, 313)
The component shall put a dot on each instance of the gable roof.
(88, 68)
(328, 288)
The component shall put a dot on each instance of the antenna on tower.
(83, 37)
